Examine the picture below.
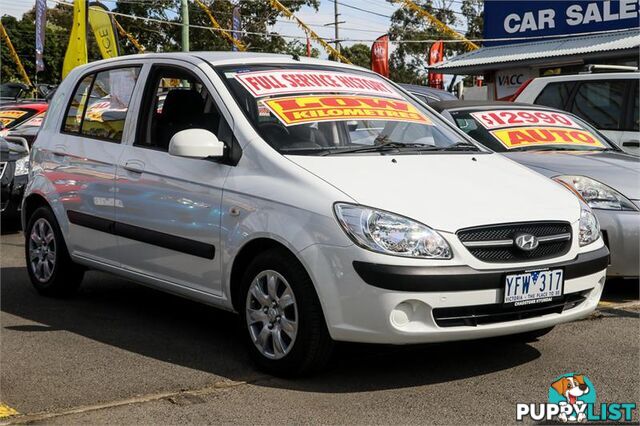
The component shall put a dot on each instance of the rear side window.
(601, 103)
(555, 95)
(100, 104)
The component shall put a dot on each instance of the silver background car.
(612, 167)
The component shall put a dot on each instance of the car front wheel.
(283, 320)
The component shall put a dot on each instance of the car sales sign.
(281, 82)
(522, 19)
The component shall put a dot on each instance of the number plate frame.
(533, 301)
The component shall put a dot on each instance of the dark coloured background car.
(14, 169)
(605, 176)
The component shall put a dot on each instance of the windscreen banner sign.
(283, 82)
(9, 116)
(309, 109)
(523, 128)
(516, 19)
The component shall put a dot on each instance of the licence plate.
(533, 287)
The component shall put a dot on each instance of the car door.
(168, 216)
(84, 160)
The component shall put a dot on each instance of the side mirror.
(196, 143)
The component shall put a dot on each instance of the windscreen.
(529, 129)
(322, 111)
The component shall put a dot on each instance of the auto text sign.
(280, 82)
(308, 109)
(540, 136)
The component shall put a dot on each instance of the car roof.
(219, 58)
(423, 89)
(462, 104)
(38, 106)
(591, 76)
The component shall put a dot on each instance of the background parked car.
(25, 133)
(607, 101)
(606, 177)
(428, 94)
(15, 113)
(14, 167)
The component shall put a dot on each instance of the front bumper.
(372, 307)
(621, 231)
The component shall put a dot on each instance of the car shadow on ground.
(174, 330)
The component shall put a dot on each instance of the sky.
(371, 21)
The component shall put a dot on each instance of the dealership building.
(527, 39)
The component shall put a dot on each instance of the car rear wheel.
(49, 265)
(284, 324)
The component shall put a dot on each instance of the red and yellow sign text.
(308, 109)
(538, 136)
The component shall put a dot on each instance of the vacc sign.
(517, 19)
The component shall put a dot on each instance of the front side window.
(528, 129)
(99, 106)
(601, 103)
(175, 100)
(304, 110)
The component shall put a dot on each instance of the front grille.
(472, 316)
(495, 243)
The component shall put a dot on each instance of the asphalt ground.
(120, 353)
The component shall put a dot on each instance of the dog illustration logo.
(572, 392)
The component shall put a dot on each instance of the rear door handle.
(134, 166)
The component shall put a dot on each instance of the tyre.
(530, 336)
(282, 318)
(50, 268)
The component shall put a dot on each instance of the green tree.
(257, 17)
(473, 11)
(408, 61)
(359, 54)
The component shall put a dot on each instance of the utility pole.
(185, 25)
(335, 22)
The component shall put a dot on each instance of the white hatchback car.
(234, 179)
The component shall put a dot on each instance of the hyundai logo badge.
(527, 242)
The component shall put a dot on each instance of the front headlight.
(597, 194)
(22, 166)
(388, 233)
(589, 226)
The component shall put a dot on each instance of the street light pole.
(185, 25)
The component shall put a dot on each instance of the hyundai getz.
(318, 200)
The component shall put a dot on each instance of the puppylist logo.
(572, 399)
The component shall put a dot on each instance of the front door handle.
(134, 166)
(632, 143)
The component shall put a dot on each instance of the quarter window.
(555, 95)
(99, 107)
(601, 103)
